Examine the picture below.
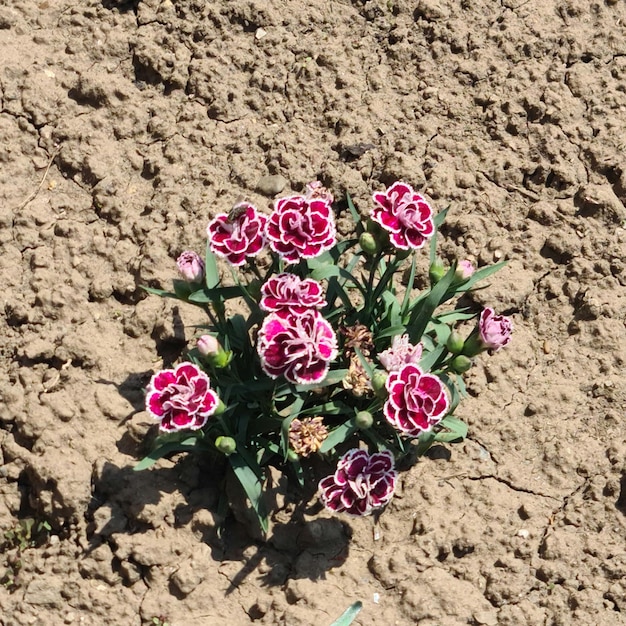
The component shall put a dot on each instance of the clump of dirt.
(126, 124)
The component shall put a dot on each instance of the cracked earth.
(126, 124)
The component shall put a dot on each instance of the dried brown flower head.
(356, 379)
(306, 435)
(358, 336)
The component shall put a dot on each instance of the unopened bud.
(379, 378)
(226, 445)
(363, 420)
(455, 342)
(464, 270)
(208, 345)
(190, 266)
(436, 271)
(369, 244)
(460, 364)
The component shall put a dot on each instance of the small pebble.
(271, 185)
(523, 533)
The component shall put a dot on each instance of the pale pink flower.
(298, 346)
(361, 483)
(405, 215)
(494, 330)
(400, 353)
(190, 266)
(317, 190)
(417, 400)
(288, 291)
(238, 235)
(301, 228)
(181, 398)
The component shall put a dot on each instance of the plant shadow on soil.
(296, 546)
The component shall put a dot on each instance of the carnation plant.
(328, 354)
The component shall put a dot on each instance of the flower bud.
(455, 342)
(460, 364)
(208, 345)
(363, 420)
(190, 266)
(379, 378)
(436, 271)
(226, 445)
(464, 270)
(369, 244)
(210, 348)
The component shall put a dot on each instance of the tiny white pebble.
(376, 598)
(523, 533)
(260, 33)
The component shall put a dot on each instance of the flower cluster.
(330, 354)
(300, 227)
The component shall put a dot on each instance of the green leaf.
(428, 360)
(425, 441)
(456, 430)
(339, 435)
(324, 271)
(457, 315)
(409, 286)
(347, 617)
(251, 482)
(168, 448)
(481, 274)
(421, 315)
(355, 215)
(211, 273)
(392, 331)
(332, 378)
(202, 296)
(161, 292)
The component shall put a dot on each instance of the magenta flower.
(181, 398)
(298, 346)
(417, 401)
(360, 484)
(190, 266)
(288, 291)
(237, 235)
(301, 227)
(400, 353)
(405, 215)
(494, 330)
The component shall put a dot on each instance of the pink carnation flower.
(301, 227)
(494, 330)
(417, 401)
(400, 353)
(237, 235)
(181, 398)
(360, 484)
(288, 291)
(190, 266)
(298, 346)
(405, 215)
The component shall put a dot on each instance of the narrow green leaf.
(211, 273)
(392, 331)
(421, 315)
(252, 484)
(339, 435)
(347, 617)
(481, 274)
(333, 377)
(355, 215)
(168, 448)
(203, 296)
(324, 272)
(428, 360)
(160, 292)
(457, 315)
(409, 286)
(456, 430)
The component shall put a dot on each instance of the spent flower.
(306, 435)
